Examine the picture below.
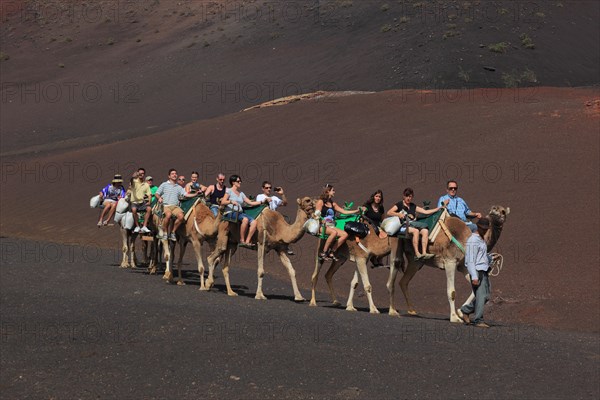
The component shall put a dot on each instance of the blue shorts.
(240, 215)
(215, 209)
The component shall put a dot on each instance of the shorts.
(418, 224)
(107, 202)
(215, 209)
(240, 215)
(329, 223)
(175, 210)
(140, 206)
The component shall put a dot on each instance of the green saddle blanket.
(340, 222)
(430, 220)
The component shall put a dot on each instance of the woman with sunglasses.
(234, 199)
(405, 209)
(326, 209)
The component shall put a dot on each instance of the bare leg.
(165, 222)
(243, 229)
(111, 211)
(178, 222)
(147, 216)
(251, 231)
(342, 236)
(415, 240)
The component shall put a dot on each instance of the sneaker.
(145, 230)
(291, 252)
(173, 237)
(482, 325)
(136, 230)
(324, 257)
(99, 224)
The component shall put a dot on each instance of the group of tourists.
(142, 192)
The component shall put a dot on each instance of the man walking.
(478, 262)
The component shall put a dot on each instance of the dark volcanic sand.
(535, 151)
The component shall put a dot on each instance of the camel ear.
(507, 210)
(298, 201)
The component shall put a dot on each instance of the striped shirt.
(170, 193)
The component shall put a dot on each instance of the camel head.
(307, 205)
(498, 215)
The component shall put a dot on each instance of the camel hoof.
(312, 303)
(203, 289)
(350, 308)
(152, 271)
(394, 313)
(456, 320)
(260, 297)
(180, 283)
(124, 266)
(232, 294)
(412, 312)
(374, 311)
(299, 299)
(336, 303)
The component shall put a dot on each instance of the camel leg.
(213, 259)
(168, 276)
(361, 264)
(124, 248)
(197, 246)
(353, 286)
(285, 260)
(411, 270)
(230, 252)
(260, 272)
(391, 288)
(132, 259)
(153, 258)
(182, 246)
(314, 278)
(451, 291)
(335, 265)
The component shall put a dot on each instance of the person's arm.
(254, 203)
(188, 187)
(159, 193)
(318, 208)
(226, 201)
(339, 209)
(283, 198)
(209, 190)
(394, 212)
(469, 213)
(423, 211)
(470, 258)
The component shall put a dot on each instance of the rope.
(451, 237)
(497, 264)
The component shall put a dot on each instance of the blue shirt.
(113, 192)
(476, 257)
(456, 206)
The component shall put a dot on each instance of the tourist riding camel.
(110, 194)
(457, 207)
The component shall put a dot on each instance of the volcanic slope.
(75, 73)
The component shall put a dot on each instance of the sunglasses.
(453, 188)
(266, 187)
(181, 180)
(239, 181)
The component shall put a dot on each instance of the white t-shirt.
(273, 204)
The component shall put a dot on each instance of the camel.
(273, 233)
(201, 226)
(376, 246)
(128, 248)
(447, 257)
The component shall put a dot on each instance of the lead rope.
(497, 263)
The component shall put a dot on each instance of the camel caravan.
(408, 236)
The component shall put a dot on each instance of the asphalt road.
(74, 325)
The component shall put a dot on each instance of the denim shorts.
(240, 215)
